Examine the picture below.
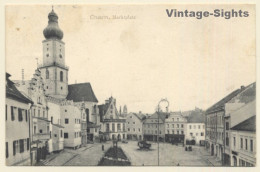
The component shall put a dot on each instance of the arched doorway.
(212, 149)
(234, 161)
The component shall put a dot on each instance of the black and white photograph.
(171, 85)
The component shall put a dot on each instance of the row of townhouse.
(170, 127)
(230, 128)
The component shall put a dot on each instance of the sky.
(191, 62)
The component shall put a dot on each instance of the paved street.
(170, 155)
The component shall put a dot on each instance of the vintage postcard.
(130, 85)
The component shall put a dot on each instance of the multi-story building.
(195, 132)
(215, 126)
(175, 128)
(41, 141)
(84, 97)
(154, 127)
(71, 121)
(17, 123)
(243, 143)
(134, 126)
(113, 126)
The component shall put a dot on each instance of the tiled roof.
(196, 118)
(13, 92)
(81, 92)
(220, 104)
(247, 125)
(140, 116)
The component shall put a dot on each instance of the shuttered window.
(21, 143)
(20, 114)
(28, 143)
(12, 113)
(6, 150)
(14, 147)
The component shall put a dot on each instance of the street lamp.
(158, 111)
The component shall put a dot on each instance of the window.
(107, 127)
(134, 129)
(191, 134)
(194, 126)
(26, 115)
(182, 132)
(139, 129)
(198, 126)
(172, 119)
(201, 134)
(128, 129)
(177, 125)
(181, 125)
(118, 127)
(21, 143)
(190, 126)
(241, 143)
(177, 131)
(38, 112)
(47, 74)
(6, 150)
(172, 125)
(40, 131)
(234, 141)
(48, 129)
(133, 122)
(246, 144)
(61, 76)
(20, 114)
(61, 88)
(172, 131)
(61, 133)
(251, 145)
(130, 116)
(66, 135)
(177, 119)
(66, 120)
(55, 135)
(14, 147)
(113, 127)
(28, 143)
(227, 126)
(160, 132)
(34, 129)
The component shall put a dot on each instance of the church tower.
(53, 69)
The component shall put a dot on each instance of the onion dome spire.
(53, 30)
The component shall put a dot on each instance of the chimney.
(23, 77)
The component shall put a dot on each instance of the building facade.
(113, 126)
(17, 123)
(71, 121)
(242, 143)
(134, 126)
(175, 128)
(215, 126)
(196, 133)
(154, 127)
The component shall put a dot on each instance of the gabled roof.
(140, 116)
(220, 104)
(81, 92)
(247, 125)
(13, 92)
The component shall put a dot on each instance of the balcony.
(40, 136)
